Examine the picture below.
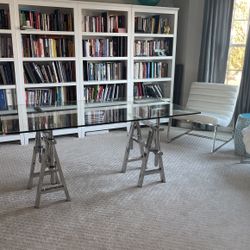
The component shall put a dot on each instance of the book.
(3, 100)
(4, 19)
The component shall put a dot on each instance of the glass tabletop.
(73, 115)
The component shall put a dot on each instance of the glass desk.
(43, 120)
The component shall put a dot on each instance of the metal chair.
(216, 102)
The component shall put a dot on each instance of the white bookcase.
(112, 60)
(153, 54)
(9, 88)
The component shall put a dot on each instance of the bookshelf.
(47, 52)
(8, 79)
(69, 56)
(153, 54)
(105, 54)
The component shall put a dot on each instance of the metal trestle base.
(46, 153)
(151, 146)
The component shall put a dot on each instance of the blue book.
(3, 100)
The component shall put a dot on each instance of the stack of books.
(7, 99)
(109, 47)
(161, 47)
(154, 25)
(4, 19)
(148, 70)
(56, 21)
(6, 46)
(40, 46)
(104, 22)
(49, 72)
(50, 96)
(105, 93)
(104, 71)
(147, 91)
(7, 74)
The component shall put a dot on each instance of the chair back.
(213, 98)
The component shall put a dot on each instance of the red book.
(31, 19)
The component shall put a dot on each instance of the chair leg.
(214, 138)
(168, 131)
(177, 136)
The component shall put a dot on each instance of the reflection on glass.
(56, 119)
(102, 116)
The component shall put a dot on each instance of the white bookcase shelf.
(46, 85)
(8, 73)
(5, 31)
(40, 59)
(43, 32)
(104, 34)
(120, 26)
(89, 83)
(105, 58)
(152, 58)
(6, 59)
(144, 35)
(8, 86)
(167, 79)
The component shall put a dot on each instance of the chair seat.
(207, 118)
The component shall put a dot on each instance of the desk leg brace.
(50, 165)
(153, 136)
(145, 149)
(138, 139)
(37, 150)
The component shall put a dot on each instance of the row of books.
(42, 46)
(104, 23)
(50, 96)
(56, 21)
(7, 99)
(6, 46)
(161, 47)
(49, 72)
(145, 70)
(4, 19)
(104, 71)
(7, 73)
(154, 24)
(147, 90)
(105, 93)
(56, 119)
(116, 46)
(105, 116)
(8, 125)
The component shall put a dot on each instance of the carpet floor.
(204, 204)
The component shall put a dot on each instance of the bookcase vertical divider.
(17, 50)
(79, 70)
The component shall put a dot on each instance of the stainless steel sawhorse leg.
(50, 165)
(151, 146)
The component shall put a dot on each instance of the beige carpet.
(205, 203)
